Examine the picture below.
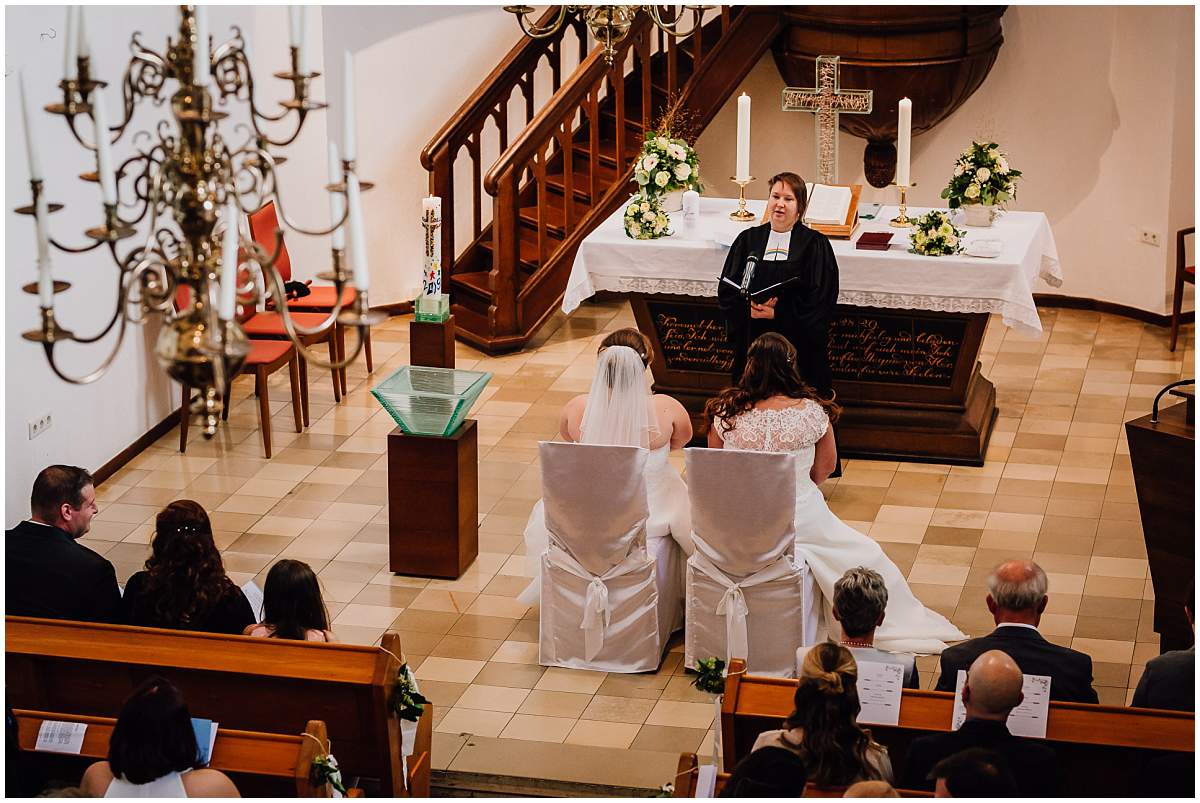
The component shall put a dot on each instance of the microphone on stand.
(748, 275)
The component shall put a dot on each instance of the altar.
(904, 342)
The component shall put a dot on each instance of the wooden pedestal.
(433, 502)
(431, 344)
(908, 380)
(1164, 472)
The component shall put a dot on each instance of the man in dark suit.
(992, 690)
(1017, 598)
(46, 573)
(1169, 681)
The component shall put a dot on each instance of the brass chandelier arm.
(531, 29)
(672, 28)
(282, 212)
(87, 379)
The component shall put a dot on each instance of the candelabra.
(742, 215)
(902, 221)
(187, 182)
(609, 24)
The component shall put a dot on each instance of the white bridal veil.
(619, 409)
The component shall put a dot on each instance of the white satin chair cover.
(600, 598)
(747, 597)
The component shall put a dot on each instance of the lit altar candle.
(431, 214)
(35, 166)
(200, 51)
(903, 142)
(742, 173)
(229, 263)
(336, 200)
(348, 127)
(358, 238)
(69, 46)
(104, 169)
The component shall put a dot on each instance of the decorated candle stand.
(431, 333)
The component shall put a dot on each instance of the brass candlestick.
(742, 214)
(901, 220)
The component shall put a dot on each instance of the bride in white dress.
(620, 410)
(772, 410)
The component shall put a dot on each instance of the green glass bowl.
(430, 401)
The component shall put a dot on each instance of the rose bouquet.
(645, 218)
(666, 164)
(933, 235)
(982, 175)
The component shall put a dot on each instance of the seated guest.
(153, 751)
(292, 605)
(1017, 598)
(973, 773)
(871, 789)
(1169, 681)
(184, 585)
(768, 772)
(859, 601)
(823, 729)
(992, 690)
(48, 574)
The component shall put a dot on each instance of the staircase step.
(607, 174)
(528, 247)
(608, 150)
(555, 214)
(475, 283)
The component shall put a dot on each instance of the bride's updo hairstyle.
(631, 338)
(770, 371)
(834, 748)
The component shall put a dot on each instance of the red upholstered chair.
(269, 326)
(321, 298)
(1183, 273)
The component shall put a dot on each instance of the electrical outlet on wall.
(39, 425)
(1149, 237)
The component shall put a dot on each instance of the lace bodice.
(786, 430)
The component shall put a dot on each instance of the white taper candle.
(742, 173)
(301, 35)
(200, 69)
(83, 49)
(349, 151)
(294, 25)
(336, 200)
(45, 280)
(70, 68)
(358, 235)
(104, 168)
(35, 165)
(229, 262)
(903, 142)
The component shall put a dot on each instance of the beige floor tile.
(507, 607)
(527, 727)
(477, 649)
(492, 698)
(938, 574)
(366, 615)
(516, 652)
(280, 525)
(1119, 567)
(1106, 650)
(454, 670)
(603, 734)
(478, 723)
(667, 739)
(681, 715)
(555, 703)
(578, 681)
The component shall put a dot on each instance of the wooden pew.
(1100, 748)
(238, 753)
(267, 685)
(689, 774)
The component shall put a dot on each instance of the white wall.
(92, 423)
(1094, 104)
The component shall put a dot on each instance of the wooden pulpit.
(1164, 472)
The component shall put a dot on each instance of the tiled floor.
(1057, 486)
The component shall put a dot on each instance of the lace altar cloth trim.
(1021, 318)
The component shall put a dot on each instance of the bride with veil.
(620, 410)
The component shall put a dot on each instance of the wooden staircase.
(571, 166)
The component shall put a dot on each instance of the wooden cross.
(827, 101)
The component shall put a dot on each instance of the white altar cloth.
(689, 263)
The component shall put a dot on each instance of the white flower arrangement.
(982, 175)
(645, 218)
(933, 235)
(666, 164)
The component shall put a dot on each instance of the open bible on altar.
(832, 209)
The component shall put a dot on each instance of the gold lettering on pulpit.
(691, 337)
(904, 348)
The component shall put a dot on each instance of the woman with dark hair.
(184, 585)
(782, 249)
(153, 752)
(620, 410)
(822, 730)
(292, 605)
(769, 772)
(774, 410)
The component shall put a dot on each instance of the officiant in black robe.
(799, 310)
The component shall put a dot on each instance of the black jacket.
(1070, 671)
(229, 614)
(48, 574)
(1169, 682)
(1033, 765)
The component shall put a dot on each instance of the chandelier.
(191, 186)
(609, 24)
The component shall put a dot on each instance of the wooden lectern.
(1164, 472)
(433, 502)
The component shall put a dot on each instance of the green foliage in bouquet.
(406, 701)
(982, 175)
(710, 675)
(645, 218)
(667, 162)
(933, 235)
